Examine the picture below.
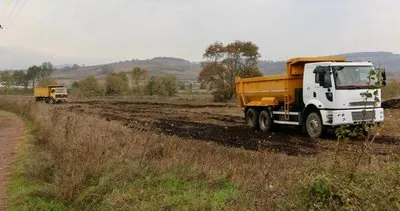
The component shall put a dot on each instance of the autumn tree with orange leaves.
(225, 62)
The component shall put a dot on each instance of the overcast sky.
(111, 30)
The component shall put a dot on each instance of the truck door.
(323, 89)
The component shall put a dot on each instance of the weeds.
(84, 162)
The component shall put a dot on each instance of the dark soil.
(219, 123)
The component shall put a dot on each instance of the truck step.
(286, 122)
(282, 112)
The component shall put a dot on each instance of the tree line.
(35, 74)
(117, 84)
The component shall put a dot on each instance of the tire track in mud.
(193, 123)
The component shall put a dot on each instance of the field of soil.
(220, 123)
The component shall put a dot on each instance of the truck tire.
(252, 118)
(314, 125)
(52, 101)
(265, 121)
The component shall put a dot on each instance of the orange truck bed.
(278, 89)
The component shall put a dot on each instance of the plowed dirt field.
(219, 123)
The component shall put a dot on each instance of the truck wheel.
(252, 118)
(52, 101)
(265, 121)
(314, 125)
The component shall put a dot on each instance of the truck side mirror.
(327, 80)
(327, 83)
(321, 76)
(383, 77)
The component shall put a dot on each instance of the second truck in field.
(51, 94)
(316, 93)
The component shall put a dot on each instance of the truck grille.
(363, 115)
(61, 96)
(362, 103)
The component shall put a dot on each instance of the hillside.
(183, 69)
(388, 60)
(186, 70)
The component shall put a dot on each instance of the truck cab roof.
(347, 63)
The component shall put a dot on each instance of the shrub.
(203, 85)
(392, 89)
(89, 87)
(116, 84)
(223, 95)
(319, 192)
(163, 85)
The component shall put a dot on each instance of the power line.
(5, 5)
(19, 11)
(10, 14)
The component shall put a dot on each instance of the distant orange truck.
(51, 94)
(315, 92)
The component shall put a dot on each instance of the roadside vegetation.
(84, 162)
(392, 89)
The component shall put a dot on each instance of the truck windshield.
(352, 77)
(61, 90)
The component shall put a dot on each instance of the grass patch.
(170, 191)
(79, 161)
(147, 189)
(23, 193)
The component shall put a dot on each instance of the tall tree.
(225, 62)
(46, 69)
(20, 79)
(123, 76)
(138, 74)
(33, 74)
(6, 80)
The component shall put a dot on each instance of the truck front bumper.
(61, 100)
(352, 117)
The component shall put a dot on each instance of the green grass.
(170, 191)
(149, 190)
(22, 193)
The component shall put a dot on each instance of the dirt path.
(11, 130)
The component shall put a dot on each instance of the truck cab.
(336, 90)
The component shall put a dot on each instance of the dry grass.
(90, 163)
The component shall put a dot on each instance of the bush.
(116, 84)
(392, 89)
(163, 85)
(319, 193)
(203, 85)
(89, 87)
(223, 95)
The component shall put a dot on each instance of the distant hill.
(388, 60)
(183, 69)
